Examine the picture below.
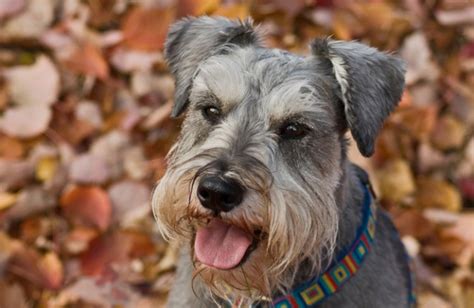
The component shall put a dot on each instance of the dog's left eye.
(211, 113)
(293, 131)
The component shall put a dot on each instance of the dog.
(259, 192)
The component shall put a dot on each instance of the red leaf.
(88, 206)
(103, 252)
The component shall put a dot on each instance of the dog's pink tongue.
(221, 245)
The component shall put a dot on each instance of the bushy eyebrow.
(205, 99)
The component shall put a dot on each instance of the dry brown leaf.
(89, 60)
(413, 223)
(449, 133)
(11, 148)
(291, 8)
(36, 84)
(51, 268)
(196, 7)
(105, 251)
(12, 295)
(146, 28)
(44, 271)
(433, 193)
(396, 181)
(7, 200)
(77, 241)
(87, 205)
(25, 121)
(417, 121)
(15, 173)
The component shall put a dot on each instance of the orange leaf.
(196, 7)
(89, 60)
(87, 206)
(146, 28)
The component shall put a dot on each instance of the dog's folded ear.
(370, 85)
(192, 40)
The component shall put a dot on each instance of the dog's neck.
(349, 197)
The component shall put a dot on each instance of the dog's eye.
(293, 131)
(211, 113)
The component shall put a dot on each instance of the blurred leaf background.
(85, 97)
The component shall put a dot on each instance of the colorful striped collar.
(344, 267)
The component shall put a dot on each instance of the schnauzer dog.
(259, 191)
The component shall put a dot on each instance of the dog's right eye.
(211, 113)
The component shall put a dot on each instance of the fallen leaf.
(15, 173)
(46, 168)
(417, 54)
(8, 247)
(25, 121)
(464, 229)
(413, 223)
(454, 17)
(129, 60)
(135, 163)
(196, 7)
(31, 22)
(89, 60)
(130, 201)
(87, 205)
(466, 186)
(89, 111)
(52, 270)
(396, 181)
(449, 133)
(89, 169)
(7, 200)
(36, 84)
(12, 295)
(292, 8)
(111, 147)
(77, 241)
(10, 8)
(95, 292)
(30, 201)
(233, 11)
(434, 193)
(11, 148)
(44, 271)
(146, 28)
(103, 252)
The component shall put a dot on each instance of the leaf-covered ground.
(84, 103)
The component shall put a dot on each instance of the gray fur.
(303, 195)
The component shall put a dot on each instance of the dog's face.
(251, 183)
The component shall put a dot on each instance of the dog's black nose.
(220, 194)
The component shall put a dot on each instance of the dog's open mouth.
(222, 245)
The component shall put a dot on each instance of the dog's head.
(251, 182)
